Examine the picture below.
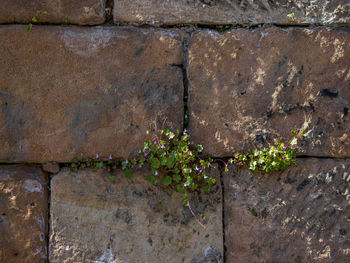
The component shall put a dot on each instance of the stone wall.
(90, 77)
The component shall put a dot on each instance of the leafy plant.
(35, 19)
(175, 163)
(291, 15)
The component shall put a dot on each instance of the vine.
(175, 162)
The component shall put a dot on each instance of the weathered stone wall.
(90, 77)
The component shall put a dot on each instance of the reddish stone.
(214, 12)
(96, 220)
(299, 215)
(76, 92)
(87, 12)
(23, 214)
(250, 88)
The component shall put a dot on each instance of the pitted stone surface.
(299, 215)
(95, 220)
(249, 88)
(23, 214)
(87, 12)
(70, 92)
(216, 12)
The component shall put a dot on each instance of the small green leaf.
(99, 165)
(180, 189)
(294, 141)
(111, 178)
(128, 173)
(206, 188)
(152, 179)
(166, 180)
(34, 20)
(177, 178)
(171, 162)
(163, 161)
(186, 202)
(155, 163)
(44, 12)
(291, 15)
(186, 170)
(29, 27)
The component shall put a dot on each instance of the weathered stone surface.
(51, 167)
(248, 88)
(87, 12)
(23, 214)
(232, 12)
(96, 220)
(69, 92)
(299, 215)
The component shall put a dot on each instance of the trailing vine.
(174, 161)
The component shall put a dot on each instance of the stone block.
(299, 215)
(250, 88)
(23, 214)
(70, 92)
(221, 12)
(87, 12)
(96, 220)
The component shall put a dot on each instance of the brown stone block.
(299, 215)
(93, 219)
(70, 92)
(249, 88)
(23, 214)
(87, 12)
(335, 12)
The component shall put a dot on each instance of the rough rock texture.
(248, 88)
(69, 91)
(95, 220)
(300, 215)
(232, 12)
(87, 12)
(51, 167)
(23, 214)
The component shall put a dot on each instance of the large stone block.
(23, 214)
(87, 12)
(251, 87)
(69, 91)
(95, 220)
(299, 215)
(336, 12)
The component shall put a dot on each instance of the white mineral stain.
(31, 186)
(89, 43)
(107, 257)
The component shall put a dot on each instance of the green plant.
(175, 163)
(36, 18)
(291, 15)
(273, 158)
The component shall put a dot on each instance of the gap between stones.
(48, 217)
(222, 28)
